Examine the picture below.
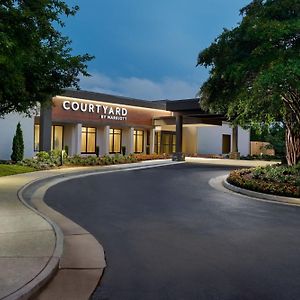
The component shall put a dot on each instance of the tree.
(35, 58)
(255, 70)
(274, 134)
(18, 145)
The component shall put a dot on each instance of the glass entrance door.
(165, 142)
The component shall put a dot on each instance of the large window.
(57, 133)
(157, 142)
(115, 138)
(165, 142)
(138, 136)
(88, 140)
(36, 145)
(57, 137)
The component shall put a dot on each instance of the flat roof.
(81, 94)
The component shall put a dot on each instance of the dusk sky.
(148, 49)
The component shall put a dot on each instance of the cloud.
(141, 88)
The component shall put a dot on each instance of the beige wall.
(258, 148)
(189, 140)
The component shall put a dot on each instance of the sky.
(147, 49)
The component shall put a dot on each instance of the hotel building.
(86, 122)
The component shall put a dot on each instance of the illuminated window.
(157, 142)
(165, 142)
(57, 137)
(88, 140)
(36, 146)
(174, 143)
(115, 137)
(138, 137)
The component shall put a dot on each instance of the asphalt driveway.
(168, 235)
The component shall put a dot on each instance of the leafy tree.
(255, 70)
(274, 134)
(35, 58)
(18, 145)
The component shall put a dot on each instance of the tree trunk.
(292, 123)
(292, 140)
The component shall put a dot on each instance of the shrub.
(66, 149)
(18, 145)
(123, 148)
(275, 179)
(141, 157)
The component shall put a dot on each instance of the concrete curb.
(52, 265)
(269, 197)
(38, 188)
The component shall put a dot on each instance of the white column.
(99, 139)
(145, 141)
(152, 141)
(130, 141)
(104, 147)
(77, 138)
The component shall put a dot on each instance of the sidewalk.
(230, 162)
(29, 249)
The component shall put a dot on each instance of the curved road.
(169, 235)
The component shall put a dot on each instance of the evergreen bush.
(18, 145)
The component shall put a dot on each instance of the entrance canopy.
(186, 111)
(191, 113)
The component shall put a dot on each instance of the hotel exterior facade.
(87, 123)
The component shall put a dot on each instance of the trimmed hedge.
(276, 179)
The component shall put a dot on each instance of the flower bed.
(275, 179)
(140, 157)
(44, 160)
(53, 159)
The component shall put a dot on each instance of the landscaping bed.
(276, 179)
(54, 159)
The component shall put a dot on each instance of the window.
(173, 143)
(165, 142)
(36, 146)
(157, 142)
(138, 136)
(115, 137)
(88, 140)
(57, 137)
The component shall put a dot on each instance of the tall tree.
(255, 70)
(35, 58)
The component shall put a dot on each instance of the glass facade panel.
(174, 143)
(165, 142)
(88, 140)
(57, 134)
(91, 143)
(83, 142)
(36, 145)
(57, 137)
(157, 142)
(138, 141)
(115, 138)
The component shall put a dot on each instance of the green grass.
(6, 170)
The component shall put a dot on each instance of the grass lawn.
(6, 170)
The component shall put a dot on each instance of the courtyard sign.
(105, 112)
